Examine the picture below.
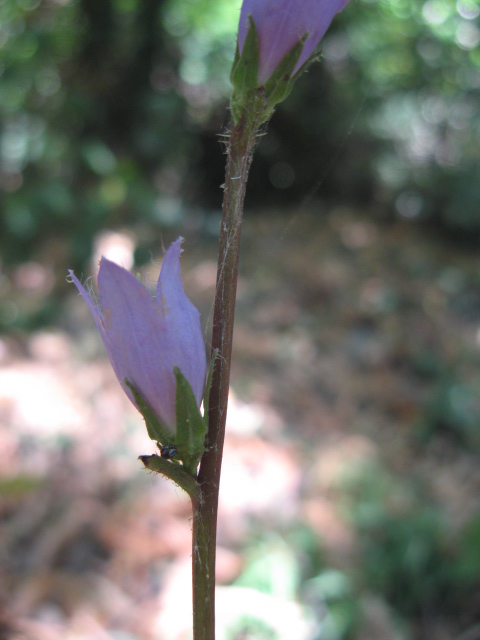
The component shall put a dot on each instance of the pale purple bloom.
(146, 336)
(281, 23)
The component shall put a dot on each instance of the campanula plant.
(155, 344)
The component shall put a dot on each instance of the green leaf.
(156, 429)
(191, 428)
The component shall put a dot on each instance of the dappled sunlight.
(258, 478)
(117, 247)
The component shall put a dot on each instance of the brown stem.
(240, 152)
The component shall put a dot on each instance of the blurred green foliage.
(17, 487)
(89, 112)
(110, 114)
(290, 568)
(392, 114)
(452, 409)
(411, 553)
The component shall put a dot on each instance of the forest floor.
(350, 496)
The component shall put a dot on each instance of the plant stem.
(239, 157)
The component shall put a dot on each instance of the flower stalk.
(240, 149)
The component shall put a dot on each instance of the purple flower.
(146, 337)
(281, 23)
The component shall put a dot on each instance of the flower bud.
(281, 24)
(276, 40)
(149, 339)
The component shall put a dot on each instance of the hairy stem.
(239, 157)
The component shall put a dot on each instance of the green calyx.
(191, 428)
(155, 428)
(184, 448)
(244, 72)
(249, 97)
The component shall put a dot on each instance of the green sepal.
(191, 428)
(244, 72)
(316, 56)
(208, 386)
(280, 83)
(156, 430)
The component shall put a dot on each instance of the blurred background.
(350, 498)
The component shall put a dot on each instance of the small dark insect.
(169, 452)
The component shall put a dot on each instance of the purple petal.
(281, 23)
(94, 310)
(138, 340)
(186, 347)
(101, 324)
